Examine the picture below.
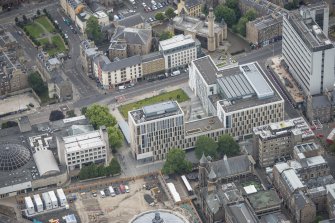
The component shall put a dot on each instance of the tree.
(99, 115)
(38, 12)
(56, 115)
(115, 137)
(93, 30)
(240, 27)
(45, 11)
(207, 146)
(24, 17)
(114, 167)
(205, 9)
(8, 124)
(232, 4)
(36, 83)
(223, 12)
(71, 114)
(165, 35)
(292, 5)
(169, 13)
(16, 19)
(160, 16)
(83, 110)
(251, 14)
(228, 146)
(176, 162)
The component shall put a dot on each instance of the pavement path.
(46, 33)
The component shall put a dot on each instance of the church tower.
(203, 181)
(211, 46)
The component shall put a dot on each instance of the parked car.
(66, 36)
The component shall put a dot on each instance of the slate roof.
(131, 21)
(230, 166)
(132, 35)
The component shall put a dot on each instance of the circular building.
(159, 216)
(13, 156)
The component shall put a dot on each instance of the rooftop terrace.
(264, 200)
(203, 125)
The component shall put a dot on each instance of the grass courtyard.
(176, 95)
(41, 30)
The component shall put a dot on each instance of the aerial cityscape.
(167, 111)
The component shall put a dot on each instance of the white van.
(122, 87)
(126, 187)
(102, 193)
(111, 191)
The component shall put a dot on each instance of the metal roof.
(235, 86)
(45, 162)
(125, 130)
(256, 80)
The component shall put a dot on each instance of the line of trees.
(230, 13)
(94, 170)
(216, 150)
(176, 162)
(99, 115)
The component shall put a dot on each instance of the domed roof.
(13, 156)
(153, 216)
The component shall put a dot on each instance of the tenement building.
(276, 140)
(308, 53)
(241, 97)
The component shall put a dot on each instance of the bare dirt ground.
(17, 102)
(118, 209)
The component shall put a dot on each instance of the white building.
(241, 97)
(83, 148)
(178, 51)
(308, 53)
(119, 72)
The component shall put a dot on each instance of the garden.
(44, 32)
(176, 95)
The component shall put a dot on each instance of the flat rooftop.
(296, 126)
(203, 125)
(264, 199)
(309, 32)
(83, 141)
(306, 147)
(207, 69)
(156, 111)
(176, 41)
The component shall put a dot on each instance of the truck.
(29, 205)
(102, 194)
(38, 203)
(122, 87)
(53, 199)
(46, 201)
(175, 73)
(111, 191)
(61, 197)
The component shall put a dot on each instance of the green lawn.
(58, 43)
(44, 21)
(177, 95)
(34, 30)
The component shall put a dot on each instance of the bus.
(187, 185)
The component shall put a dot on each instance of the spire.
(203, 160)
(212, 175)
